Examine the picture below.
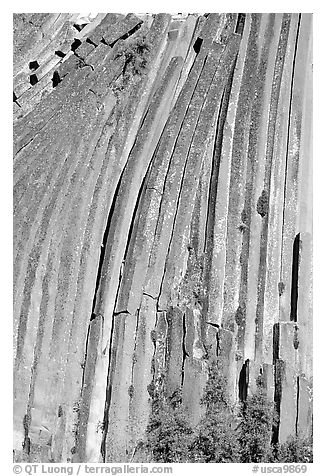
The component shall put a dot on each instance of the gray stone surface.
(162, 219)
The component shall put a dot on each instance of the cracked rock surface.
(162, 215)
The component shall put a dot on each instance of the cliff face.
(162, 216)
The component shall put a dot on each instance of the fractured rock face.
(162, 218)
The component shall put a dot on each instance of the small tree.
(168, 435)
(223, 435)
(216, 441)
(256, 419)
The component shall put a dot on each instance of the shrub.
(281, 288)
(256, 419)
(262, 204)
(131, 391)
(192, 286)
(296, 450)
(168, 435)
(215, 389)
(224, 434)
(215, 440)
(135, 54)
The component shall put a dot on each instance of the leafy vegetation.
(135, 54)
(256, 420)
(224, 434)
(192, 290)
(214, 441)
(262, 204)
(169, 434)
(295, 450)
